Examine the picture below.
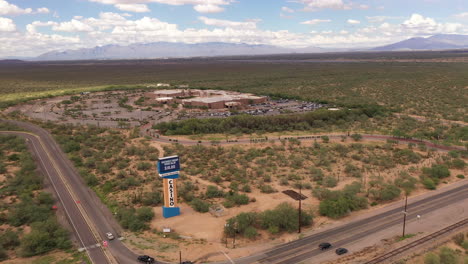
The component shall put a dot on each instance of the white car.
(110, 236)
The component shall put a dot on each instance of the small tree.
(356, 137)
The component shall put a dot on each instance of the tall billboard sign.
(168, 169)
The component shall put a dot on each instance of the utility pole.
(299, 214)
(234, 238)
(404, 213)
(180, 257)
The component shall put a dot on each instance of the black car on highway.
(341, 251)
(145, 259)
(324, 246)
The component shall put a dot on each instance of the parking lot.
(130, 108)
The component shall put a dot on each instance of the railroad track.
(418, 242)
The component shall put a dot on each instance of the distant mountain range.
(436, 42)
(212, 49)
(170, 50)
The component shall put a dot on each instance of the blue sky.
(30, 28)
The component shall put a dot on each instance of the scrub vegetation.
(28, 223)
(433, 89)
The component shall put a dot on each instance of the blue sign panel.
(168, 166)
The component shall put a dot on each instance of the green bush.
(44, 237)
(153, 198)
(145, 214)
(448, 256)
(429, 183)
(437, 171)
(329, 182)
(144, 166)
(3, 254)
(213, 192)
(283, 218)
(267, 189)
(238, 199)
(336, 204)
(431, 258)
(9, 239)
(134, 220)
(200, 206)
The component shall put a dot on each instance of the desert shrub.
(316, 174)
(246, 188)
(437, 171)
(213, 192)
(283, 218)
(153, 198)
(144, 166)
(267, 189)
(238, 199)
(200, 206)
(389, 192)
(250, 232)
(329, 181)
(459, 238)
(458, 164)
(44, 237)
(91, 179)
(9, 239)
(406, 182)
(448, 256)
(431, 258)
(3, 254)
(356, 137)
(428, 183)
(339, 203)
(134, 219)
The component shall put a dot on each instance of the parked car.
(109, 236)
(341, 251)
(145, 259)
(324, 246)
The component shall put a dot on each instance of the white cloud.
(208, 8)
(287, 9)
(72, 26)
(137, 8)
(12, 10)
(43, 10)
(201, 6)
(252, 24)
(7, 25)
(462, 16)
(364, 7)
(315, 21)
(376, 19)
(113, 28)
(314, 5)
(353, 22)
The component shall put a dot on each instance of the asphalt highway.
(306, 248)
(91, 219)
